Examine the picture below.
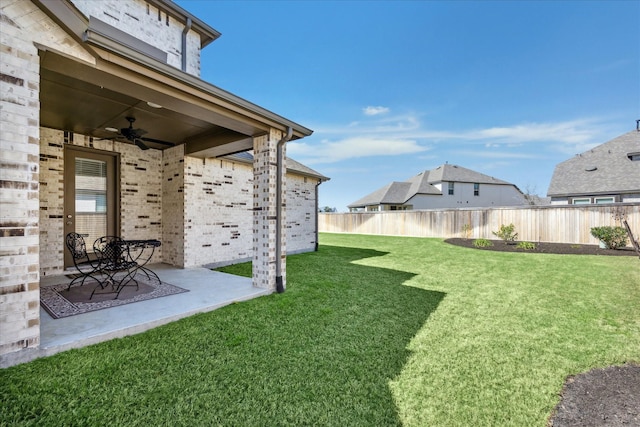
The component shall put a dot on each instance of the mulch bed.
(601, 397)
(546, 248)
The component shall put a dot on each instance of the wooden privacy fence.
(561, 224)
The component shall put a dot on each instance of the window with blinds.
(91, 199)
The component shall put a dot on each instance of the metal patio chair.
(113, 253)
(86, 267)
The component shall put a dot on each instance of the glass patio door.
(89, 196)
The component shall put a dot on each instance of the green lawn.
(372, 331)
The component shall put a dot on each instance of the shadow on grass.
(322, 353)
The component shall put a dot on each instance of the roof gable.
(423, 183)
(605, 169)
(455, 173)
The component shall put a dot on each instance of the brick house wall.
(173, 206)
(301, 213)
(21, 23)
(218, 205)
(163, 194)
(218, 199)
(140, 193)
(201, 209)
(149, 24)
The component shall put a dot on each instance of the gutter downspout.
(279, 162)
(317, 214)
(187, 28)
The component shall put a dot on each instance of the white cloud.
(375, 111)
(405, 134)
(571, 132)
(495, 154)
(334, 151)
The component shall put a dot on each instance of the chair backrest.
(76, 245)
(107, 248)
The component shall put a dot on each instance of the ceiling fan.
(135, 135)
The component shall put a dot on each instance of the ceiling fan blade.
(158, 141)
(140, 144)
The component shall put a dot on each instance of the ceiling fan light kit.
(135, 135)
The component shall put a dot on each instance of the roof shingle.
(605, 169)
(400, 192)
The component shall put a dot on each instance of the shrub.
(506, 233)
(466, 231)
(482, 243)
(612, 237)
(527, 246)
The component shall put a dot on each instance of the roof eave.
(207, 33)
(318, 176)
(268, 117)
(594, 193)
(103, 48)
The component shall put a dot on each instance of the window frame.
(581, 201)
(610, 199)
(451, 188)
(476, 189)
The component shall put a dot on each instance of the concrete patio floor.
(208, 290)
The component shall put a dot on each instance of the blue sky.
(506, 88)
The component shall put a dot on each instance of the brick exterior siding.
(19, 176)
(201, 210)
(205, 212)
(149, 24)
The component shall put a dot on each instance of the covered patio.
(207, 291)
(76, 162)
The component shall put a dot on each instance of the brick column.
(19, 186)
(265, 212)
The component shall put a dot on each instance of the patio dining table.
(130, 257)
(140, 252)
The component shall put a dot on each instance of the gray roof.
(393, 193)
(400, 192)
(292, 165)
(454, 173)
(605, 169)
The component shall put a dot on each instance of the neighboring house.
(107, 129)
(535, 200)
(608, 173)
(447, 186)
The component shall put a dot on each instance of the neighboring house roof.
(292, 165)
(453, 173)
(423, 183)
(605, 169)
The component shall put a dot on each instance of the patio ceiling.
(168, 104)
(82, 99)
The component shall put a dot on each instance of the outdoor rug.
(59, 302)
